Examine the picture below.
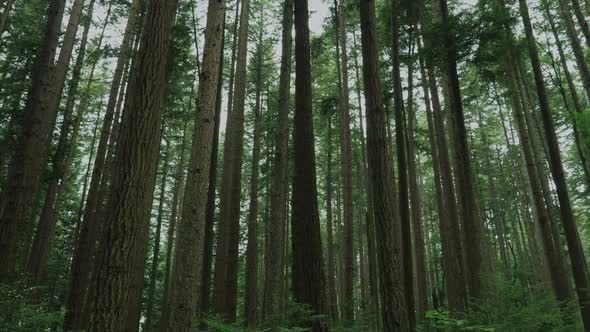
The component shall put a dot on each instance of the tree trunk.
(189, 248)
(149, 325)
(62, 159)
(576, 253)
(418, 235)
(274, 258)
(5, 15)
(308, 274)
(85, 247)
(251, 296)
(205, 300)
(566, 17)
(402, 170)
(347, 304)
(178, 182)
(475, 241)
(388, 242)
(127, 226)
(228, 237)
(27, 166)
(331, 296)
(453, 259)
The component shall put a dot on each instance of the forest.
(294, 165)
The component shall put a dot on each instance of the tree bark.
(576, 253)
(62, 159)
(85, 247)
(393, 308)
(27, 165)
(307, 274)
(251, 296)
(149, 325)
(347, 303)
(189, 248)
(228, 237)
(127, 226)
(475, 240)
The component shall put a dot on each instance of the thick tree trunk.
(27, 166)
(576, 253)
(127, 226)
(228, 237)
(81, 268)
(189, 248)
(475, 240)
(308, 273)
(393, 308)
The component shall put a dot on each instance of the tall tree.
(345, 166)
(402, 169)
(126, 228)
(85, 247)
(189, 247)
(26, 166)
(274, 257)
(388, 242)
(576, 253)
(228, 237)
(251, 297)
(308, 273)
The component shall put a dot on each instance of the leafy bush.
(511, 306)
(25, 308)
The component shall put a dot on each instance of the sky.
(319, 12)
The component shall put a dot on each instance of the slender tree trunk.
(402, 170)
(5, 15)
(576, 253)
(151, 291)
(579, 133)
(251, 296)
(345, 169)
(189, 248)
(274, 257)
(26, 168)
(418, 235)
(228, 237)
(308, 274)
(205, 300)
(62, 159)
(393, 308)
(566, 17)
(370, 226)
(331, 283)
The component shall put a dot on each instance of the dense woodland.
(184, 165)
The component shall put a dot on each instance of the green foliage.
(24, 308)
(512, 306)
